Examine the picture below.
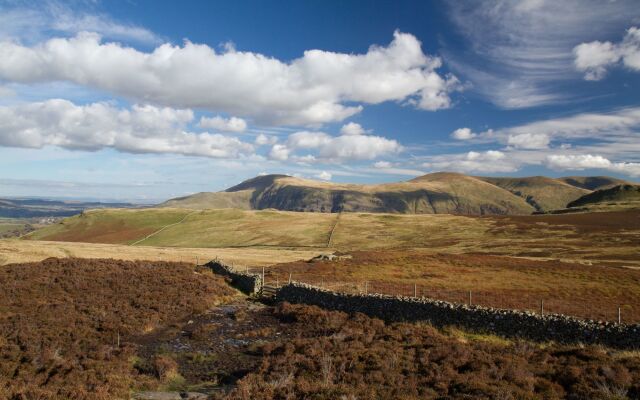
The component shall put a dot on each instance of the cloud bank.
(313, 89)
(141, 129)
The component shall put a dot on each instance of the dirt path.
(162, 229)
(215, 349)
(335, 225)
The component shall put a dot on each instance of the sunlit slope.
(188, 228)
(231, 228)
(118, 226)
(601, 238)
(208, 200)
(539, 191)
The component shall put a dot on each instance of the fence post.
(246, 269)
(619, 316)
(366, 287)
(542, 308)
(415, 290)
(262, 276)
(289, 278)
(469, 297)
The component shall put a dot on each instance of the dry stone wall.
(512, 323)
(246, 282)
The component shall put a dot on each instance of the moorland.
(124, 309)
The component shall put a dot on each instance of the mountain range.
(30, 207)
(436, 193)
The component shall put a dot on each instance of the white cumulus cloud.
(263, 139)
(279, 152)
(463, 134)
(593, 58)
(324, 175)
(382, 164)
(352, 128)
(335, 148)
(312, 89)
(233, 124)
(360, 147)
(529, 141)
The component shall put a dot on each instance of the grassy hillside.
(605, 238)
(110, 226)
(204, 228)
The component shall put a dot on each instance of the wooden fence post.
(262, 276)
(289, 278)
(366, 287)
(619, 316)
(542, 308)
(469, 297)
(415, 290)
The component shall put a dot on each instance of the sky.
(147, 100)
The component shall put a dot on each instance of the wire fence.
(594, 308)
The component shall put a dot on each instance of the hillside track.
(163, 228)
(333, 229)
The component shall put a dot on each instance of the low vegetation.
(65, 323)
(334, 355)
(104, 329)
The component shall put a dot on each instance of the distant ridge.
(617, 194)
(593, 182)
(436, 193)
(35, 208)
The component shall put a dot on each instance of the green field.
(10, 227)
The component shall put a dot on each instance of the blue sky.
(146, 100)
